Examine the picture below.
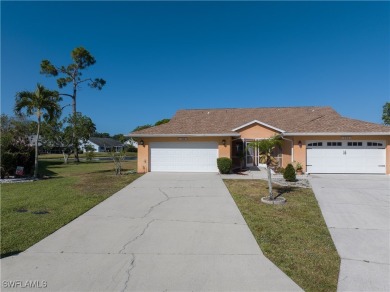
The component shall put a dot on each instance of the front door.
(249, 154)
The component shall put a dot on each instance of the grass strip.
(293, 236)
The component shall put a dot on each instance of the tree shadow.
(11, 253)
(284, 190)
(44, 167)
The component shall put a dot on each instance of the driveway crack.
(167, 198)
(138, 236)
(128, 272)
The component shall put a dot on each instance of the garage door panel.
(347, 157)
(184, 156)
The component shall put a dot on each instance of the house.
(131, 142)
(318, 137)
(102, 144)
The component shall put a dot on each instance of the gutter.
(183, 135)
(339, 134)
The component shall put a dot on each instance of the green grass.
(70, 191)
(82, 155)
(293, 236)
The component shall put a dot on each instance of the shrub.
(224, 165)
(279, 170)
(289, 173)
(10, 160)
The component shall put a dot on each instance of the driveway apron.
(163, 232)
(356, 211)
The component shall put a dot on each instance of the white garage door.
(346, 156)
(184, 156)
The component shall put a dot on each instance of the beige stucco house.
(318, 137)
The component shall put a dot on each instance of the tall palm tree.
(44, 104)
(265, 148)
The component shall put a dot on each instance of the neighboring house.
(43, 147)
(103, 144)
(131, 142)
(317, 137)
(32, 139)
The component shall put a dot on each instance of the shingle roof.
(289, 119)
(107, 142)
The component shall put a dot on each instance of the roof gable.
(259, 123)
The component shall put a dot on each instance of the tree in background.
(82, 127)
(101, 135)
(386, 113)
(139, 128)
(60, 133)
(265, 148)
(72, 74)
(163, 121)
(44, 104)
(160, 122)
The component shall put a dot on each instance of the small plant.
(289, 173)
(224, 165)
(298, 166)
(118, 158)
(280, 170)
(89, 152)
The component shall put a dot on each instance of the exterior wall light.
(224, 142)
(300, 144)
(142, 142)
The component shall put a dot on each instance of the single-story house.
(131, 142)
(102, 144)
(317, 137)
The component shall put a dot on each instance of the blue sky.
(158, 57)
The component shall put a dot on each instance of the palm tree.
(43, 103)
(265, 148)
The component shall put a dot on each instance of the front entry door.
(249, 154)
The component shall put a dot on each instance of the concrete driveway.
(163, 232)
(356, 210)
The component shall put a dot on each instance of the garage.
(184, 156)
(351, 156)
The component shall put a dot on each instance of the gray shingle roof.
(107, 142)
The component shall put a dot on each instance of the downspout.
(292, 147)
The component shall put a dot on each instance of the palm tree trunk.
(75, 140)
(36, 147)
(271, 196)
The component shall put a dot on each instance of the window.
(315, 144)
(333, 144)
(354, 144)
(374, 144)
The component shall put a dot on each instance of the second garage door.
(184, 156)
(346, 157)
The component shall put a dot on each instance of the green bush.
(224, 165)
(10, 160)
(289, 173)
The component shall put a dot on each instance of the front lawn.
(293, 236)
(31, 211)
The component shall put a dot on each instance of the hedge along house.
(317, 137)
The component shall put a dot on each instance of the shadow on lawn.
(45, 164)
(283, 190)
(11, 253)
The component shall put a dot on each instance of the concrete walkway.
(356, 211)
(163, 232)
